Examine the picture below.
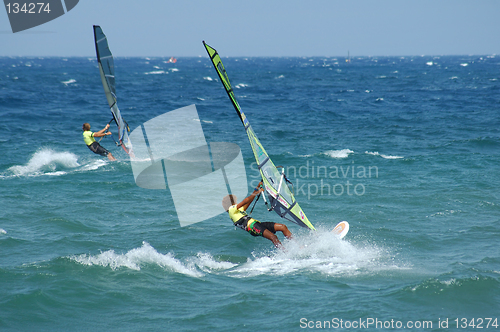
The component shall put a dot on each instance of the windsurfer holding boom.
(88, 138)
(237, 213)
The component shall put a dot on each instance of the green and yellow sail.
(281, 198)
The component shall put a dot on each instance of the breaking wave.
(338, 154)
(147, 255)
(315, 252)
(48, 162)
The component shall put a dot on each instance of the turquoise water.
(406, 149)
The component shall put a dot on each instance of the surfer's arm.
(246, 202)
(102, 132)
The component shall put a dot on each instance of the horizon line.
(245, 56)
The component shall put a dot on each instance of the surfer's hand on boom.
(106, 128)
(258, 189)
(102, 132)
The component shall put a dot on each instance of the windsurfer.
(88, 138)
(237, 213)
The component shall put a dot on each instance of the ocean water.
(406, 149)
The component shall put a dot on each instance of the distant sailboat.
(348, 60)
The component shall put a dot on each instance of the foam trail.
(383, 155)
(206, 263)
(317, 252)
(46, 161)
(95, 165)
(147, 255)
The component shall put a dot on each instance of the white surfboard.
(341, 229)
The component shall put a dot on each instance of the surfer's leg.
(98, 149)
(110, 157)
(270, 236)
(282, 228)
(103, 152)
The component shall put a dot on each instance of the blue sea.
(406, 149)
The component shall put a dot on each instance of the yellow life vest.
(237, 214)
(88, 137)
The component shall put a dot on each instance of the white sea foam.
(317, 252)
(208, 78)
(48, 162)
(383, 155)
(147, 255)
(95, 165)
(204, 121)
(68, 81)
(207, 263)
(338, 154)
(155, 72)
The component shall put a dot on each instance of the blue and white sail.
(107, 70)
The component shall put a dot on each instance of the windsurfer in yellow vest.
(237, 213)
(88, 138)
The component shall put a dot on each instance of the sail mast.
(107, 71)
(281, 198)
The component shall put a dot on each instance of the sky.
(265, 28)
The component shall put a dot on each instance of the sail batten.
(107, 71)
(280, 197)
